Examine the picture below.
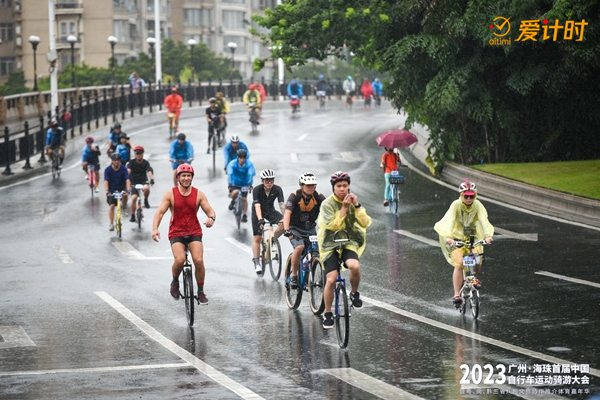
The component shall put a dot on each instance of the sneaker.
(476, 283)
(202, 299)
(457, 300)
(328, 320)
(132, 219)
(208, 151)
(175, 290)
(87, 178)
(294, 282)
(386, 203)
(231, 205)
(146, 204)
(355, 300)
(244, 218)
(258, 269)
(111, 227)
(97, 190)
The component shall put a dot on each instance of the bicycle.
(253, 118)
(238, 205)
(270, 250)
(172, 117)
(118, 219)
(468, 291)
(341, 310)
(56, 163)
(377, 100)
(395, 179)
(92, 177)
(215, 141)
(349, 99)
(321, 96)
(188, 288)
(139, 215)
(295, 103)
(311, 277)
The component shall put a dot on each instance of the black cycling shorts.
(332, 263)
(186, 240)
(273, 216)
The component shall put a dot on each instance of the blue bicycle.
(311, 277)
(396, 179)
(341, 310)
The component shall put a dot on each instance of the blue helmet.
(321, 76)
(349, 77)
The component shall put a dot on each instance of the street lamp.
(192, 43)
(232, 46)
(72, 39)
(34, 40)
(113, 41)
(151, 42)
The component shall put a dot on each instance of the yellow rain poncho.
(460, 222)
(355, 223)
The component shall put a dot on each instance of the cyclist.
(214, 117)
(184, 228)
(322, 87)
(465, 217)
(113, 138)
(116, 179)
(390, 161)
(240, 172)
(173, 103)
(140, 173)
(378, 90)
(341, 211)
(91, 156)
(55, 139)
(180, 152)
(124, 147)
(367, 91)
(261, 89)
(263, 197)
(300, 218)
(253, 96)
(294, 88)
(349, 86)
(231, 148)
(224, 105)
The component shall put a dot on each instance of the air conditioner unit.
(19, 65)
(18, 29)
(18, 41)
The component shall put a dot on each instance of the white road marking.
(417, 237)
(325, 123)
(531, 237)
(132, 253)
(301, 137)
(370, 384)
(349, 156)
(186, 356)
(239, 245)
(98, 369)
(481, 338)
(294, 157)
(62, 254)
(14, 336)
(566, 278)
(507, 233)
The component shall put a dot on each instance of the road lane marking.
(200, 365)
(476, 336)
(14, 336)
(370, 385)
(349, 156)
(417, 237)
(531, 237)
(324, 124)
(62, 254)
(507, 233)
(133, 254)
(566, 278)
(239, 245)
(294, 157)
(97, 369)
(301, 137)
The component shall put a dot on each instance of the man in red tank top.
(184, 201)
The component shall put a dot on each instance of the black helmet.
(181, 136)
(116, 156)
(123, 135)
(117, 126)
(241, 153)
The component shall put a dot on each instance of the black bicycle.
(188, 288)
(55, 163)
(468, 292)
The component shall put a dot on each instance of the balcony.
(68, 7)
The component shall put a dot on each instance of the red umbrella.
(396, 138)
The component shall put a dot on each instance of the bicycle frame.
(468, 291)
(238, 205)
(139, 214)
(172, 117)
(118, 220)
(341, 311)
(188, 288)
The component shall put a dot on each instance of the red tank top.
(184, 221)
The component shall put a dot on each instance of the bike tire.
(118, 227)
(214, 151)
(342, 316)
(396, 201)
(474, 303)
(92, 178)
(275, 261)
(463, 305)
(138, 216)
(293, 297)
(316, 286)
(188, 295)
(264, 256)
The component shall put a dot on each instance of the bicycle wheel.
(396, 200)
(92, 179)
(342, 316)
(214, 150)
(188, 294)
(316, 285)
(463, 305)
(118, 226)
(292, 296)
(264, 256)
(474, 303)
(275, 261)
(138, 215)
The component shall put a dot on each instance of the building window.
(121, 31)
(196, 17)
(5, 3)
(235, 1)
(6, 32)
(7, 65)
(233, 19)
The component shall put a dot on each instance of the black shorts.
(186, 240)
(244, 194)
(134, 191)
(111, 200)
(272, 216)
(332, 262)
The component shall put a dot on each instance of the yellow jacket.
(253, 95)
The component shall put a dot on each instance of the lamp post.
(192, 43)
(151, 42)
(232, 46)
(34, 40)
(72, 39)
(113, 41)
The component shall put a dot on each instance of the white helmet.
(235, 138)
(307, 178)
(267, 174)
(467, 185)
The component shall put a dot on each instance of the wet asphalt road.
(84, 315)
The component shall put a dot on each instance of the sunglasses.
(269, 180)
(469, 196)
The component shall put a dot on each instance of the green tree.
(14, 85)
(527, 101)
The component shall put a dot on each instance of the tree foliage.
(15, 84)
(527, 101)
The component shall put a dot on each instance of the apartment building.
(212, 22)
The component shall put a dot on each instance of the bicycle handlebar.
(460, 243)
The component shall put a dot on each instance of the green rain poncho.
(355, 223)
(460, 222)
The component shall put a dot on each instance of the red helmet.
(89, 139)
(251, 86)
(54, 124)
(339, 176)
(185, 168)
(174, 90)
(138, 148)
